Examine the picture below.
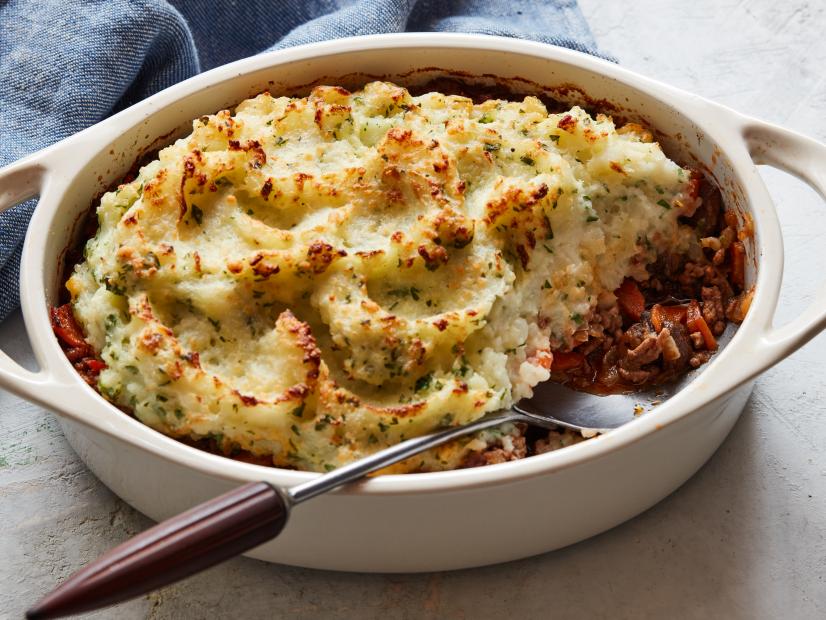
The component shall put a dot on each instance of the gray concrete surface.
(745, 538)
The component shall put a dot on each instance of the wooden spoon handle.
(192, 541)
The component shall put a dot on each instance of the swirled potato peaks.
(309, 280)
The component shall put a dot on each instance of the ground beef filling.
(664, 326)
(77, 350)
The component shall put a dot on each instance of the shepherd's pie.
(309, 280)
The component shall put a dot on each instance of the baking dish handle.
(19, 182)
(804, 158)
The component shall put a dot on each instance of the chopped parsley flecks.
(423, 382)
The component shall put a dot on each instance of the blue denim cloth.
(67, 64)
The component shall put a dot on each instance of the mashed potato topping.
(314, 279)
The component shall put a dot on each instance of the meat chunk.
(680, 337)
(669, 348)
(635, 335)
(647, 351)
(712, 307)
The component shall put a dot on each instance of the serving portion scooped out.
(307, 280)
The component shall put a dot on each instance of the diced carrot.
(696, 323)
(738, 264)
(630, 299)
(566, 360)
(65, 326)
(657, 317)
(673, 314)
(95, 366)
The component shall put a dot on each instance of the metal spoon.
(244, 518)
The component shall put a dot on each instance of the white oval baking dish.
(435, 521)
